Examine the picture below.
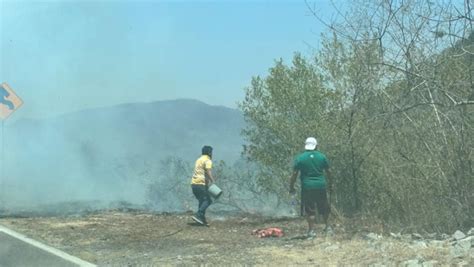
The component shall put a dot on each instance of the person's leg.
(326, 220)
(323, 207)
(200, 200)
(198, 193)
(310, 210)
(310, 219)
(204, 200)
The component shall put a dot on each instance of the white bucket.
(214, 191)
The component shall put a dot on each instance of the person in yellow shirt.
(200, 181)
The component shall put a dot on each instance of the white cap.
(310, 143)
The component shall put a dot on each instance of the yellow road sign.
(9, 101)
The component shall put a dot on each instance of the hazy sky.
(62, 56)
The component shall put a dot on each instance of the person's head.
(207, 150)
(310, 144)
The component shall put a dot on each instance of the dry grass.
(136, 239)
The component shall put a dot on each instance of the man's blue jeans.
(202, 195)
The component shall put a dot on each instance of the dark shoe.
(198, 220)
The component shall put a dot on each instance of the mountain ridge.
(98, 152)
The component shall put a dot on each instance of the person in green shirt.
(313, 169)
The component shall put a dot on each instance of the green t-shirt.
(311, 165)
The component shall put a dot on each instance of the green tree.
(281, 110)
(418, 152)
(390, 97)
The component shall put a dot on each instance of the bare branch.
(465, 51)
(399, 69)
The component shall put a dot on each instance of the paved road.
(18, 250)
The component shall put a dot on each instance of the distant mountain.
(79, 154)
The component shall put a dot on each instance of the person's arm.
(292, 181)
(208, 172)
(209, 176)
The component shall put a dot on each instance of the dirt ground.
(137, 238)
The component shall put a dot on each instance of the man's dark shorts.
(313, 198)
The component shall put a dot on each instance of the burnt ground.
(137, 238)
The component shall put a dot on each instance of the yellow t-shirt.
(202, 164)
